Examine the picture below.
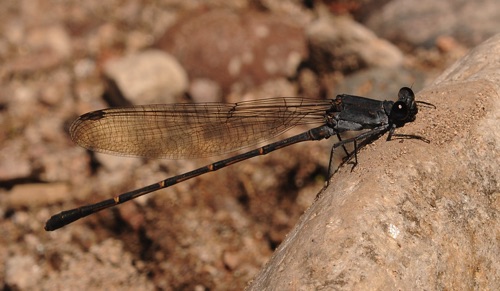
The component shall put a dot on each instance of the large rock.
(148, 77)
(411, 215)
(421, 22)
(242, 49)
(340, 43)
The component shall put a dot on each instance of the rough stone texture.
(411, 216)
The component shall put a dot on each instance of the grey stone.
(340, 43)
(421, 22)
(148, 77)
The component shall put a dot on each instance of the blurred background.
(60, 59)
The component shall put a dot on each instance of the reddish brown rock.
(247, 48)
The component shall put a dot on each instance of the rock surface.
(250, 47)
(411, 216)
(341, 44)
(421, 22)
(148, 77)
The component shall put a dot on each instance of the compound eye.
(406, 95)
(399, 111)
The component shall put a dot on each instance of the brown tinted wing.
(192, 130)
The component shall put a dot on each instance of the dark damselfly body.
(207, 129)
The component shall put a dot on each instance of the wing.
(192, 130)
